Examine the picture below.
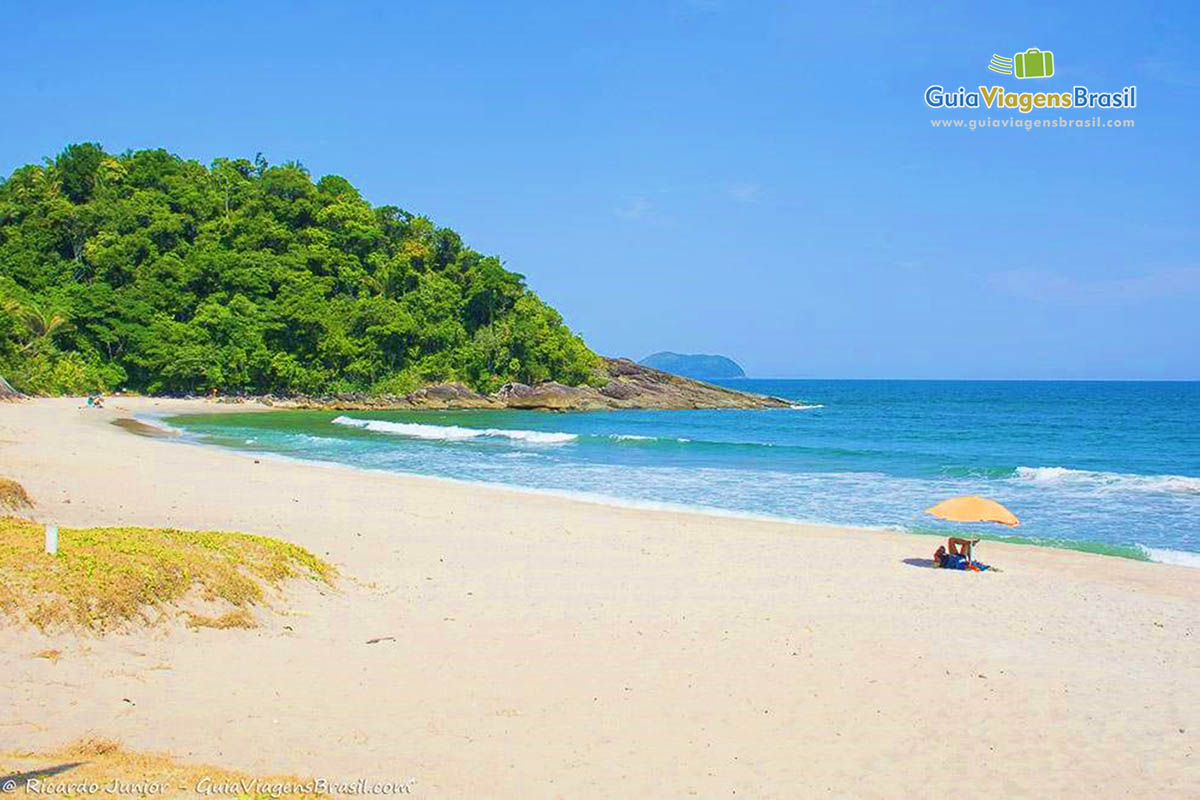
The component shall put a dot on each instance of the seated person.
(959, 555)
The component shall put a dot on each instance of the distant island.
(699, 365)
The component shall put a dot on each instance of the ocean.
(1109, 467)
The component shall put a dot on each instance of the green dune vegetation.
(149, 272)
(105, 577)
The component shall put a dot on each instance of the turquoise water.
(1110, 467)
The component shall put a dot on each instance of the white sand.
(551, 648)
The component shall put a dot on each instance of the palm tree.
(41, 323)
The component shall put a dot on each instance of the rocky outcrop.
(549, 396)
(630, 385)
(450, 395)
(439, 395)
(626, 385)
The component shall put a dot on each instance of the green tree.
(76, 167)
(160, 274)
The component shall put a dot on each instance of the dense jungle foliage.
(149, 272)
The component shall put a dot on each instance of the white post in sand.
(52, 539)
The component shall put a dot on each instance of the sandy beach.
(537, 646)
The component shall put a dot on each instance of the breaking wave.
(1108, 481)
(454, 433)
(1165, 556)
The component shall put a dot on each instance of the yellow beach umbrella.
(969, 508)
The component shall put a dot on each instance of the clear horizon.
(701, 176)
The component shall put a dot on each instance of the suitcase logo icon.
(1033, 63)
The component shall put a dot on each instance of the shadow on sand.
(142, 429)
(45, 772)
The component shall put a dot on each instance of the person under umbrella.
(960, 553)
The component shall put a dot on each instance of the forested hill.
(150, 272)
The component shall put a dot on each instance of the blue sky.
(749, 178)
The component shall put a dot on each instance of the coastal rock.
(627, 385)
(619, 391)
(449, 395)
(631, 385)
(549, 396)
(434, 396)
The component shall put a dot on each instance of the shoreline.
(1131, 552)
(597, 499)
(538, 646)
(629, 385)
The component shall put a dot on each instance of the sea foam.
(155, 422)
(453, 433)
(1108, 481)
(1165, 556)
